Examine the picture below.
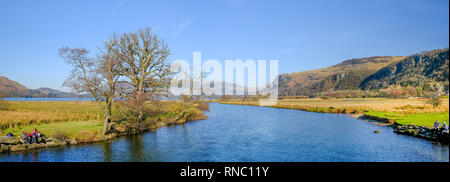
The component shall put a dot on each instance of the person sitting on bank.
(29, 138)
(436, 125)
(34, 136)
(444, 127)
(41, 137)
(25, 137)
(41, 134)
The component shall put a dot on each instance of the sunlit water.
(250, 133)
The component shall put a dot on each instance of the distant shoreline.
(368, 110)
(48, 99)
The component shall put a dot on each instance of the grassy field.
(70, 129)
(404, 111)
(420, 119)
(37, 112)
(71, 117)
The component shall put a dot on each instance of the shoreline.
(14, 145)
(410, 130)
(414, 130)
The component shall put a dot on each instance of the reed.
(406, 106)
(409, 111)
(30, 113)
(73, 117)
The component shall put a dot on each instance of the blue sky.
(302, 35)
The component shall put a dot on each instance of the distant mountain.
(228, 87)
(347, 75)
(51, 93)
(427, 70)
(7, 85)
(424, 70)
(9, 88)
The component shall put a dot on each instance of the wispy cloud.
(181, 27)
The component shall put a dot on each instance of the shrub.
(225, 98)
(86, 136)
(435, 101)
(203, 106)
(194, 114)
(61, 135)
(135, 107)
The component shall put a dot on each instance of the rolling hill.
(427, 70)
(7, 85)
(10, 88)
(346, 75)
(424, 70)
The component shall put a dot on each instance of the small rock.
(110, 136)
(59, 141)
(40, 145)
(53, 144)
(40, 140)
(72, 141)
(15, 148)
(4, 148)
(8, 140)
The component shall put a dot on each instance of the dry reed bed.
(406, 106)
(44, 112)
(9, 119)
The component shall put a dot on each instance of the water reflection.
(35, 156)
(107, 151)
(136, 148)
(440, 152)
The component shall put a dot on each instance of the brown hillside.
(324, 79)
(7, 85)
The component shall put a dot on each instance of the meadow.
(45, 112)
(404, 111)
(72, 117)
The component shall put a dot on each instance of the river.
(235, 133)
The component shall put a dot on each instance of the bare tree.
(434, 101)
(189, 98)
(143, 56)
(99, 76)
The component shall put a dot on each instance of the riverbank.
(397, 112)
(60, 133)
(235, 133)
(13, 144)
(424, 132)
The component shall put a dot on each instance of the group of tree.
(130, 67)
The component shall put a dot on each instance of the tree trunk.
(107, 122)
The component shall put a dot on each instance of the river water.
(235, 133)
